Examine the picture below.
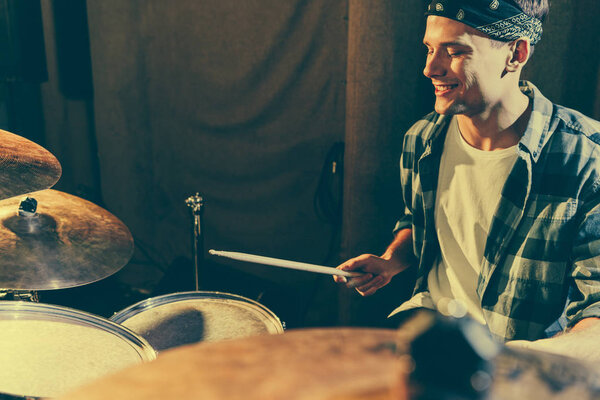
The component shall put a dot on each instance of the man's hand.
(378, 273)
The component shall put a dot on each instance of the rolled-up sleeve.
(404, 222)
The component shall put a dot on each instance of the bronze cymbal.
(25, 166)
(68, 242)
(323, 364)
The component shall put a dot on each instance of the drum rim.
(146, 304)
(50, 312)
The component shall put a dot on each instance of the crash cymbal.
(302, 364)
(25, 166)
(67, 242)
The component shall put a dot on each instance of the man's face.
(465, 67)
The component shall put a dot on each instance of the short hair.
(535, 8)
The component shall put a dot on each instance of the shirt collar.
(538, 130)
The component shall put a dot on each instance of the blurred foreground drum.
(46, 350)
(307, 364)
(188, 317)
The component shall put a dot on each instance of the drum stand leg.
(196, 203)
(20, 295)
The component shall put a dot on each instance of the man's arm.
(379, 271)
(580, 342)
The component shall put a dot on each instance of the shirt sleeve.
(405, 219)
(584, 296)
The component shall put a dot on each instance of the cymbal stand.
(196, 204)
(19, 295)
(27, 211)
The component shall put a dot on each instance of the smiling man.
(501, 187)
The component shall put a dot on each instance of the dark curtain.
(239, 101)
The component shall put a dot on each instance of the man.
(501, 187)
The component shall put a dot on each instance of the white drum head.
(182, 318)
(47, 350)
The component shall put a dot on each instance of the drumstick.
(277, 262)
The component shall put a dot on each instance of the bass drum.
(188, 317)
(47, 350)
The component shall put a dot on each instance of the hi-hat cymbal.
(25, 166)
(68, 242)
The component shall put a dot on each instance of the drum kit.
(52, 240)
(213, 345)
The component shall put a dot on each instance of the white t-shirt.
(469, 186)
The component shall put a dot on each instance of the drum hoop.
(127, 313)
(49, 312)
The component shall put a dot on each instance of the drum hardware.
(196, 204)
(53, 240)
(20, 295)
(451, 358)
(456, 358)
(26, 167)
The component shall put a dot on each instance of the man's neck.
(500, 126)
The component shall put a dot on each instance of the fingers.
(371, 286)
(350, 265)
(359, 280)
(355, 263)
(365, 285)
(376, 275)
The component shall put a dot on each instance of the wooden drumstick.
(277, 262)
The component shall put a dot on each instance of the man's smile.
(443, 89)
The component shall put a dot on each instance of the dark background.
(146, 102)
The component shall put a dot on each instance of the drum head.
(182, 318)
(46, 350)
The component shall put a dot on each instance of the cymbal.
(319, 364)
(25, 166)
(68, 242)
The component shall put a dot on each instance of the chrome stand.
(19, 295)
(196, 203)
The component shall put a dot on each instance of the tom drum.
(188, 317)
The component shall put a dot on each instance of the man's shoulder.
(555, 116)
(427, 126)
(576, 122)
(425, 123)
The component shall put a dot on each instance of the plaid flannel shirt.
(541, 266)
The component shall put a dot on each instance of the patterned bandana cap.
(499, 19)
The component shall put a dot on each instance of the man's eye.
(456, 54)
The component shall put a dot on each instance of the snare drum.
(47, 350)
(182, 318)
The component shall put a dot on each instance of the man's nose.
(434, 65)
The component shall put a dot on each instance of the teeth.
(443, 88)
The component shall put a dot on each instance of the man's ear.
(520, 50)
